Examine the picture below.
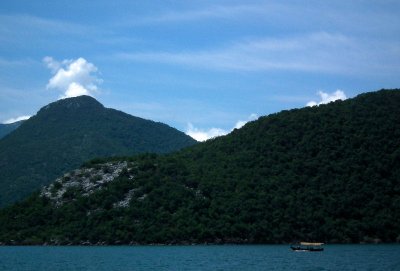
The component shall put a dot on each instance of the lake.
(227, 257)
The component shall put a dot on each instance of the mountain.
(5, 129)
(64, 134)
(329, 173)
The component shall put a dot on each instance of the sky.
(203, 67)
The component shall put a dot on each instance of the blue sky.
(203, 67)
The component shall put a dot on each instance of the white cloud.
(12, 120)
(203, 135)
(328, 97)
(75, 89)
(52, 64)
(241, 123)
(73, 77)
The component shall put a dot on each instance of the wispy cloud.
(209, 12)
(351, 16)
(73, 77)
(16, 62)
(44, 25)
(315, 52)
(328, 97)
(205, 134)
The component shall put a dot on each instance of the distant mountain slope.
(329, 173)
(68, 132)
(5, 129)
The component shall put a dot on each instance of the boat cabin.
(306, 246)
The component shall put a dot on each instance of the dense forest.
(329, 173)
(64, 134)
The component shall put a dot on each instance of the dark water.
(269, 257)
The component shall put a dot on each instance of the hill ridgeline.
(329, 173)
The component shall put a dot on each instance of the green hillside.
(5, 129)
(68, 132)
(329, 173)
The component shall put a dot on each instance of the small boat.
(305, 246)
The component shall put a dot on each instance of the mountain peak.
(68, 132)
(83, 101)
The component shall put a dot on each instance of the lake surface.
(229, 257)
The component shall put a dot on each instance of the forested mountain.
(64, 134)
(327, 173)
(5, 129)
